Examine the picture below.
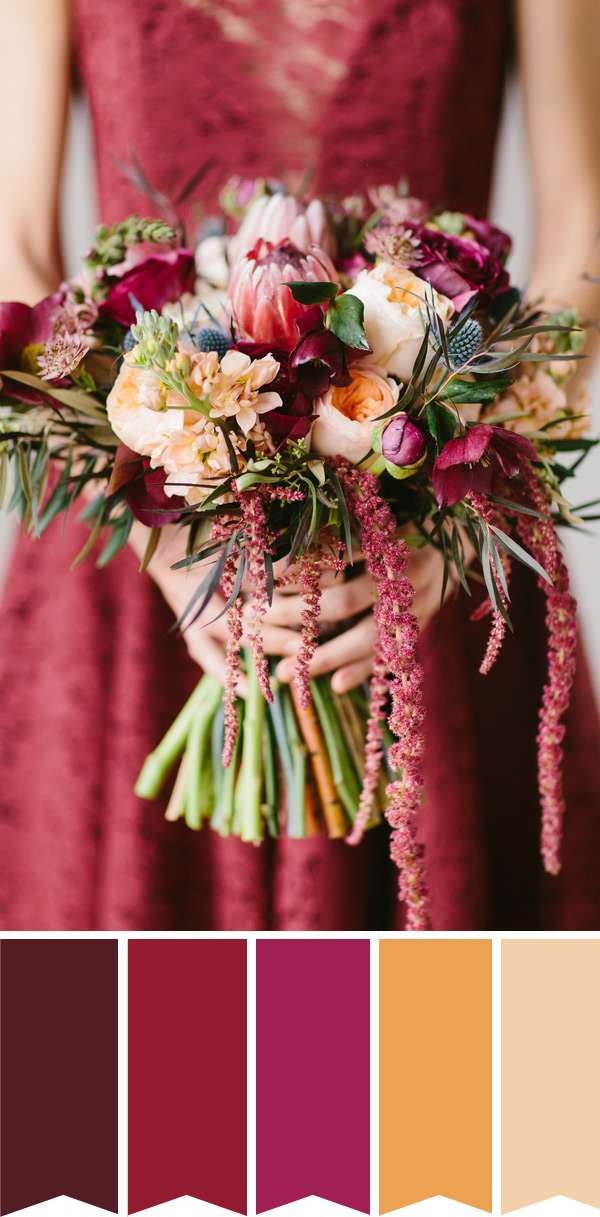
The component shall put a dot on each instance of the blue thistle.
(208, 339)
(464, 345)
(128, 342)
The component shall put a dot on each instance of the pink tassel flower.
(398, 631)
(539, 537)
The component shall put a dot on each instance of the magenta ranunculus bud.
(402, 443)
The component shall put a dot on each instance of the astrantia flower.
(235, 389)
(467, 463)
(62, 354)
(262, 306)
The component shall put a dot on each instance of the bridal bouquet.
(330, 383)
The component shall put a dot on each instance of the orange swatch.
(550, 1071)
(435, 1072)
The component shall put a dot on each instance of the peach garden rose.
(346, 414)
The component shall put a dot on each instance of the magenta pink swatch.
(312, 1072)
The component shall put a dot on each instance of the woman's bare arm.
(34, 89)
(559, 56)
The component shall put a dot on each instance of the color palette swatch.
(58, 1089)
(435, 1072)
(210, 1026)
(312, 1072)
(187, 1072)
(550, 1071)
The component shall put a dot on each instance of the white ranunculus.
(395, 309)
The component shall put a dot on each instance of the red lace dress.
(358, 91)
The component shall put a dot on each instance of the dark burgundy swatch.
(58, 1071)
(187, 1071)
(312, 1072)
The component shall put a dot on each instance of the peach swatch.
(435, 1072)
(550, 1071)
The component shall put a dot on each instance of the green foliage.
(346, 321)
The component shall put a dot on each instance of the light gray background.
(511, 208)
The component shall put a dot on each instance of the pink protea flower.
(280, 217)
(261, 305)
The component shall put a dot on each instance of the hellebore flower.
(402, 443)
(159, 279)
(467, 463)
(319, 357)
(262, 305)
(459, 267)
(22, 327)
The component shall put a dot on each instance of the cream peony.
(346, 414)
(394, 303)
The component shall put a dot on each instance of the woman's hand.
(204, 639)
(350, 654)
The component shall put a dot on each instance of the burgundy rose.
(495, 239)
(458, 267)
(467, 463)
(160, 278)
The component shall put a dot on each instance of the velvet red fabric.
(90, 675)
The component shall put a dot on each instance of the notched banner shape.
(435, 1072)
(187, 1071)
(312, 1072)
(58, 1089)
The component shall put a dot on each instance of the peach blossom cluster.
(543, 401)
(161, 424)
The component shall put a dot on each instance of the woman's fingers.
(352, 675)
(355, 644)
(338, 602)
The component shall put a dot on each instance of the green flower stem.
(222, 817)
(270, 772)
(248, 791)
(282, 746)
(161, 760)
(296, 824)
(342, 766)
(198, 785)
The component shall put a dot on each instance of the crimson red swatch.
(58, 1071)
(312, 1072)
(187, 1071)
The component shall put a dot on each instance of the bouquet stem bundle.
(293, 769)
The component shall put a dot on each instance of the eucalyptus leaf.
(518, 552)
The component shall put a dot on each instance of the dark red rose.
(458, 267)
(153, 283)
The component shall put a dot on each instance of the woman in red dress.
(363, 92)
